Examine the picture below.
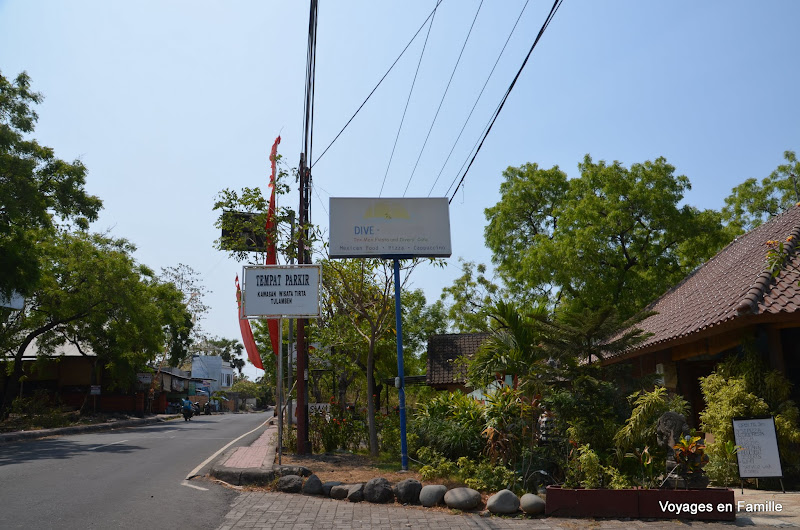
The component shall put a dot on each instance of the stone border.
(380, 491)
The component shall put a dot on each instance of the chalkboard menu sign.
(758, 456)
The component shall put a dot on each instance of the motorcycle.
(207, 409)
(187, 414)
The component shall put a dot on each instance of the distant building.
(215, 373)
(446, 356)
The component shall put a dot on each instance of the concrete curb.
(81, 429)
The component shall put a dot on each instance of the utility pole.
(303, 255)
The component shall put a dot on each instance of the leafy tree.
(752, 203)
(613, 236)
(420, 321)
(471, 295)
(230, 350)
(361, 292)
(186, 280)
(37, 190)
(93, 295)
(246, 389)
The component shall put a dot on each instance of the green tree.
(186, 280)
(37, 190)
(613, 236)
(230, 350)
(752, 203)
(246, 389)
(93, 295)
(472, 295)
(420, 321)
(361, 292)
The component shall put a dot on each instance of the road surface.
(127, 478)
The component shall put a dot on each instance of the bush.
(479, 475)
(451, 424)
(509, 424)
(742, 387)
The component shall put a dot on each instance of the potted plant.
(691, 457)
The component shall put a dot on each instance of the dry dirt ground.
(348, 468)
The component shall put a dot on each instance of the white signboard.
(281, 291)
(758, 456)
(389, 227)
(319, 408)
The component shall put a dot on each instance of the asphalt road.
(127, 478)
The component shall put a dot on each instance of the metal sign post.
(391, 228)
(401, 384)
(280, 394)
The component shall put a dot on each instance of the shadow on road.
(57, 449)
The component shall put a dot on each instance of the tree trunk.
(373, 430)
(12, 382)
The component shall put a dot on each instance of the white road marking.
(185, 483)
(106, 445)
(193, 473)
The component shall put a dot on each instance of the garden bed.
(709, 504)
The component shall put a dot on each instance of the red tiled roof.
(733, 284)
(444, 350)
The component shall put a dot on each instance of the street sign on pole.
(275, 291)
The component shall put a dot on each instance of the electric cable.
(463, 127)
(553, 10)
(452, 74)
(379, 83)
(411, 91)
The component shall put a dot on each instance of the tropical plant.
(690, 455)
(583, 468)
(723, 466)
(450, 423)
(640, 428)
(510, 419)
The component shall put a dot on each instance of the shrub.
(741, 387)
(584, 469)
(509, 419)
(451, 424)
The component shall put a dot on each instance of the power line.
(411, 91)
(463, 127)
(453, 73)
(553, 10)
(379, 83)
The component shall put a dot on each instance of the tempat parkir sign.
(389, 228)
(281, 291)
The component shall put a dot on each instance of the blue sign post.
(401, 384)
(391, 228)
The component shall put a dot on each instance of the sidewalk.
(274, 510)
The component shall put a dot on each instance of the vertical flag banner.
(247, 333)
(272, 253)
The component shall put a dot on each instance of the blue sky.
(168, 102)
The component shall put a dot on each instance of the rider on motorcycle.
(188, 409)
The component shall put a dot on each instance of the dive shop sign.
(389, 228)
(281, 291)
